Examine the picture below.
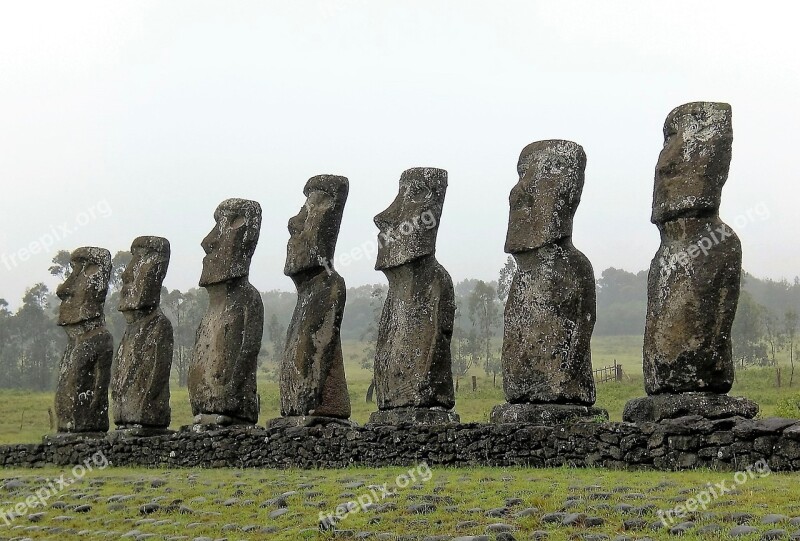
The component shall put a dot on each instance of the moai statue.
(140, 377)
(312, 380)
(550, 312)
(222, 372)
(413, 374)
(693, 284)
(81, 403)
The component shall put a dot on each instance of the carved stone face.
(229, 247)
(142, 279)
(314, 230)
(83, 293)
(544, 201)
(409, 226)
(693, 165)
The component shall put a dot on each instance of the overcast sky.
(137, 118)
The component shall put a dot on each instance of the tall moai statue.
(413, 372)
(140, 376)
(312, 380)
(550, 312)
(222, 372)
(693, 284)
(81, 402)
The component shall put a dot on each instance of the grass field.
(286, 505)
(24, 415)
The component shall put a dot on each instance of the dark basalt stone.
(81, 399)
(127, 432)
(140, 380)
(306, 421)
(414, 416)
(550, 312)
(412, 359)
(672, 406)
(693, 284)
(545, 414)
(689, 442)
(694, 162)
(691, 303)
(312, 378)
(222, 371)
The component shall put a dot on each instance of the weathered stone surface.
(691, 305)
(672, 444)
(545, 414)
(544, 201)
(312, 378)
(140, 378)
(693, 284)
(222, 372)
(672, 406)
(136, 431)
(793, 432)
(550, 312)
(306, 420)
(414, 416)
(81, 401)
(412, 359)
(693, 165)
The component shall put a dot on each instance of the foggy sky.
(157, 111)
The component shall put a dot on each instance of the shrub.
(788, 407)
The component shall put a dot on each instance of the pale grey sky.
(133, 118)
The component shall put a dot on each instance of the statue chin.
(74, 317)
(213, 276)
(298, 267)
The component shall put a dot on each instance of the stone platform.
(673, 444)
(546, 414)
(671, 406)
(414, 416)
(307, 420)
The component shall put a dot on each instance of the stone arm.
(161, 353)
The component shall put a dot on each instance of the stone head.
(693, 165)
(544, 200)
(409, 226)
(313, 231)
(230, 245)
(142, 279)
(83, 293)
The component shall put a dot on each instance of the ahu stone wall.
(673, 444)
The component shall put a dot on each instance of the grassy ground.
(24, 415)
(246, 504)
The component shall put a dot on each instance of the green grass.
(24, 415)
(224, 502)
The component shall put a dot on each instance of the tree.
(37, 341)
(464, 353)
(61, 265)
(118, 265)
(484, 314)
(370, 335)
(277, 336)
(773, 333)
(185, 310)
(506, 277)
(790, 333)
(8, 369)
(621, 303)
(748, 332)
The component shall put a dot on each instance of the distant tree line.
(31, 344)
